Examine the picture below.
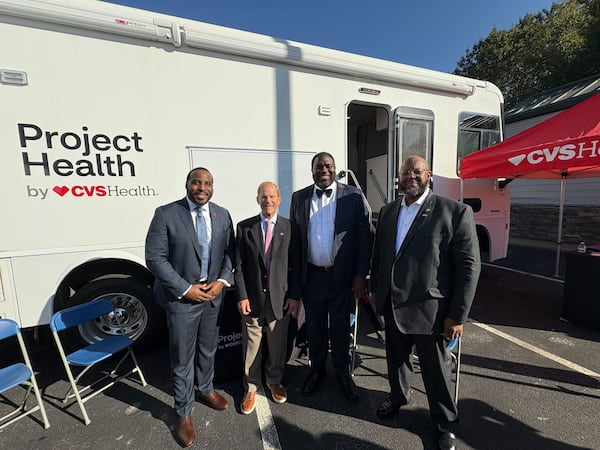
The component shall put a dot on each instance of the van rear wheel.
(141, 318)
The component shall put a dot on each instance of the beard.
(413, 191)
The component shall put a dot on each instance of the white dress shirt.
(206, 214)
(263, 221)
(406, 217)
(321, 227)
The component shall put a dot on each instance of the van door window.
(414, 134)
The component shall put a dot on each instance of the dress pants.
(275, 335)
(435, 362)
(193, 337)
(327, 319)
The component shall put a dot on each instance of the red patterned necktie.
(268, 238)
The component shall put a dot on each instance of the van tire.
(142, 318)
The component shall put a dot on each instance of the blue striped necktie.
(203, 242)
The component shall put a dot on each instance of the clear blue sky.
(426, 33)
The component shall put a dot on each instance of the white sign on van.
(82, 153)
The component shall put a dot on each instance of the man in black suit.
(334, 246)
(262, 272)
(190, 249)
(424, 275)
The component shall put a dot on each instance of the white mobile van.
(104, 109)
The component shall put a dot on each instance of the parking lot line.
(565, 362)
(266, 424)
(523, 272)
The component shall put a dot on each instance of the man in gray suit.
(190, 249)
(263, 282)
(424, 274)
(334, 248)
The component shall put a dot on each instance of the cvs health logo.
(583, 150)
(81, 191)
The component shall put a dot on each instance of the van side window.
(475, 132)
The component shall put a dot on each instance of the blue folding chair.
(87, 357)
(19, 374)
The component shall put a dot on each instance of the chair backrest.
(79, 314)
(8, 328)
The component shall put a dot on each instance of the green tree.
(542, 51)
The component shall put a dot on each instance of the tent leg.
(560, 222)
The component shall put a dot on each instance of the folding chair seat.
(19, 374)
(88, 356)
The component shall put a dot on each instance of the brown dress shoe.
(248, 405)
(184, 431)
(278, 392)
(214, 400)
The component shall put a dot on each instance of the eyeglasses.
(415, 172)
(322, 166)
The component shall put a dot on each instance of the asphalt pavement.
(528, 380)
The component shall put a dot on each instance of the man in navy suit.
(190, 249)
(424, 275)
(334, 246)
(264, 285)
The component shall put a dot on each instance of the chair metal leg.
(33, 383)
(354, 337)
(456, 384)
(137, 367)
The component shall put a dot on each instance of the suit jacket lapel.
(306, 203)
(188, 222)
(215, 221)
(257, 237)
(278, 233)
(341, 191)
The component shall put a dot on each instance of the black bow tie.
(327, 192)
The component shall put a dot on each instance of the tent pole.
(560, 222)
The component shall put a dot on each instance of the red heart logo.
(60, 190)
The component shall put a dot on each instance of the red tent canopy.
(567, 144)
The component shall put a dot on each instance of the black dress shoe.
(348, 387)
(446, 440)
(389, 407)
(311, 382)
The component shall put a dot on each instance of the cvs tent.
(566, 145)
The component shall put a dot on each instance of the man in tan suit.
(261, 278)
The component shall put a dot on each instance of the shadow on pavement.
(484, 427)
